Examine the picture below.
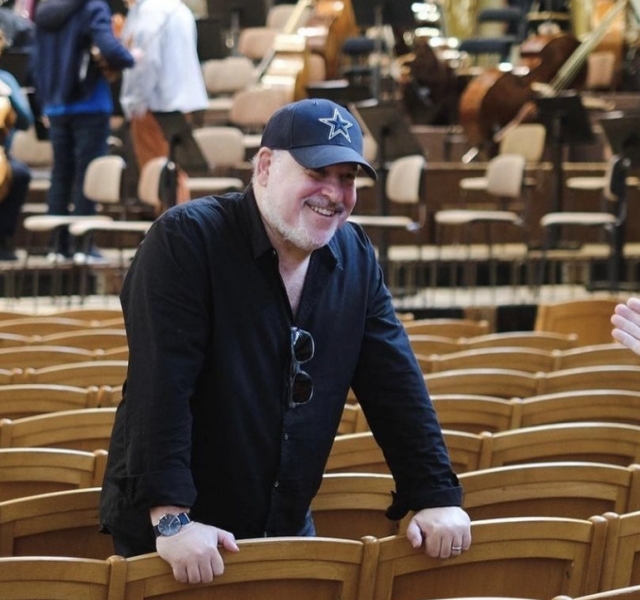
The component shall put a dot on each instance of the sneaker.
(93, 257)
(56, 257)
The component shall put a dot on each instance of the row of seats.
(538, 557)
(476, 413)
(98, 372)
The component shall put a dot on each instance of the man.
(167, 79)
(76, 98)
(626, 322)
(15, 176)
(249, 317)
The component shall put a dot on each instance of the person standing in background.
(16, 176)
(167, 79)
(76, 98)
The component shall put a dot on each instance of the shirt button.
(286, 437)
(276, 484)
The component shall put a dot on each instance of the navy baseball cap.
(317, 133)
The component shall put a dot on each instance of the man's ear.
(263, 162)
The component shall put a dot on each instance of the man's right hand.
(193, 552)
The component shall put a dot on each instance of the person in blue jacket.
(75, 96)
(15, 176)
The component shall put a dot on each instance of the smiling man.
(249, 316)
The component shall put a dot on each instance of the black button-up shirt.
(205, 421)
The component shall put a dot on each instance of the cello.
(494, 101)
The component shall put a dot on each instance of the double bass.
(495, 100)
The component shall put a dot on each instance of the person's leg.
(10, 208)
(90, 136)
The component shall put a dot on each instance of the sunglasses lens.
(301, 388)
(302, 345)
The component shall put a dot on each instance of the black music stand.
(184, 153)
(567, 122)
(623, 134)
(386, 123)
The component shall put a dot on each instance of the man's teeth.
(325, 212)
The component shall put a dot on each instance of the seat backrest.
(512, 357)
(504, 383)
(42, 356)
(451, 328)
(256, 42)
(473, 413)
(353, 505)
(589, 319)
(623, 377)
(27, 148)
(103, 179)
(82, 374)
(426, 344)
(536, 557)
(608, 405)
(92, 339)
(42, 325)
(253, 107)
(32, 471)
(221, 146)
(24, 400)
(55, 524)
(278, 15)
(227, 75)
(597, 354)
(555, 489)
(625, 593)
(149, 181)
(269, 569)
(83, 429)
(26, 578)
(404, 178)
(543, 340)
(505, 174)
(600, 70)
(609, 443)
(527, 139)
(622, 552)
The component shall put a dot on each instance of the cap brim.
(317, 157)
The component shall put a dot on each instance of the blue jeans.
(76, 140)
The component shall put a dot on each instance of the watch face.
(169, 524)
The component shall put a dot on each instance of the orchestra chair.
(32, 471)
(452, 328)
(512, 357)
(62, 578)
(55, 524)
(267, 568)
(618, 377)
(612, 353)
(569, 489)
(591, 441)
(625, 593)
(222, 78)
(256, 42)
(473, 413)
(354, 505)
(543, 340)
(588, 318)
(102, 184)
(43, 356)
(252, 107)
(622, 559)
(610, 220)
(96, 316)
(505, 185)
(81, 374)
(527, 139)
(359, 453)
(24, 400)
(536, 557)
(604, 405)
(503, 383)
(86, 429)
(91, 339)
(223, 149)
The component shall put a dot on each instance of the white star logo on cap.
(339, 126)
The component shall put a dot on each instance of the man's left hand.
(444, 531)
